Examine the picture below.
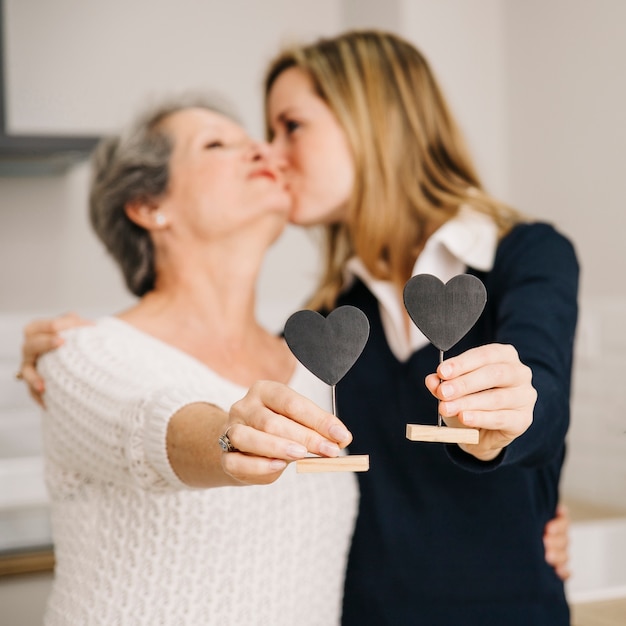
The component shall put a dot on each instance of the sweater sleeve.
(108, 405)
(533, 288)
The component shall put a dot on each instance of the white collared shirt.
(467, 240)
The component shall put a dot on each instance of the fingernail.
(329, 449)
(447, 390)
(296, 451)
(339, 433)
(468, 418)
(445, 369)
(277, 464)
(58, 341)
(449, 409)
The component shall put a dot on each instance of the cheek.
(321, 196)
(321, 180)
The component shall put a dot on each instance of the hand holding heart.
(487, 388)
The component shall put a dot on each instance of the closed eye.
(214, 144)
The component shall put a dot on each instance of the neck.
(198, 289)
(204, 304)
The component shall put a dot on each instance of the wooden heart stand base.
(349, 463)
(441, 434)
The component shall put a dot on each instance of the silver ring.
(225, 443)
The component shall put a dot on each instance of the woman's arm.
(270, 427)
(520, 385)
(118, 414)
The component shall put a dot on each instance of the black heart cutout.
(328, 346)
(444, 313)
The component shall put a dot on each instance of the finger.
(557, 527)
(35, 383)
(509, 398)
(490, 376)
(302, 410)
(56, 324)
(476, 358)
(556, 531)
(251, 469)
(37, 397)
(432, 382)
(264, 420)
(258, 443)
(267, 402)
(556, 557)
(35, 327)
(37, 344)
(556, 541)
(67, 321)
(511, 423)
(562, 513)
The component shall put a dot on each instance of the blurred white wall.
(566, 107)
(77, 68)
(84, 68)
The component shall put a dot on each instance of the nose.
(278, 155)
(268, 152)
(259, 149)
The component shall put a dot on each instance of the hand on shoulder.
(41, 336)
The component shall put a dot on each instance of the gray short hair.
(135, 166)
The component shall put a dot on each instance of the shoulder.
(536, 244)
(108, 343)
(534, 235)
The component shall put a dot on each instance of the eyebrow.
(288, 112)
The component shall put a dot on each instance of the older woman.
(188, 204)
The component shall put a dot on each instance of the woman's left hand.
(487, 388)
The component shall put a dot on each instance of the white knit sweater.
(133, 544)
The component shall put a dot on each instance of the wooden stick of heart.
(439, 418)
(348, 463)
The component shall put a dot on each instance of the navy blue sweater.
(441, 538)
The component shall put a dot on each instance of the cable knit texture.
(133, 544)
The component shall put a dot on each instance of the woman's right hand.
(41, 336)
(273, 425)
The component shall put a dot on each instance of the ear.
(145, 214)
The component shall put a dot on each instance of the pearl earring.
(160, 219)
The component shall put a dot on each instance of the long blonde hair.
(412, 169)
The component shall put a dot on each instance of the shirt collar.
(469, 239)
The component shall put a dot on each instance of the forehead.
(190, 122)
(292, 87)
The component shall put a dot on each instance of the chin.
(301, 216)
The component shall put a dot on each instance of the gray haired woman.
(188, 204)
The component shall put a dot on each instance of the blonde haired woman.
(446, 534)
